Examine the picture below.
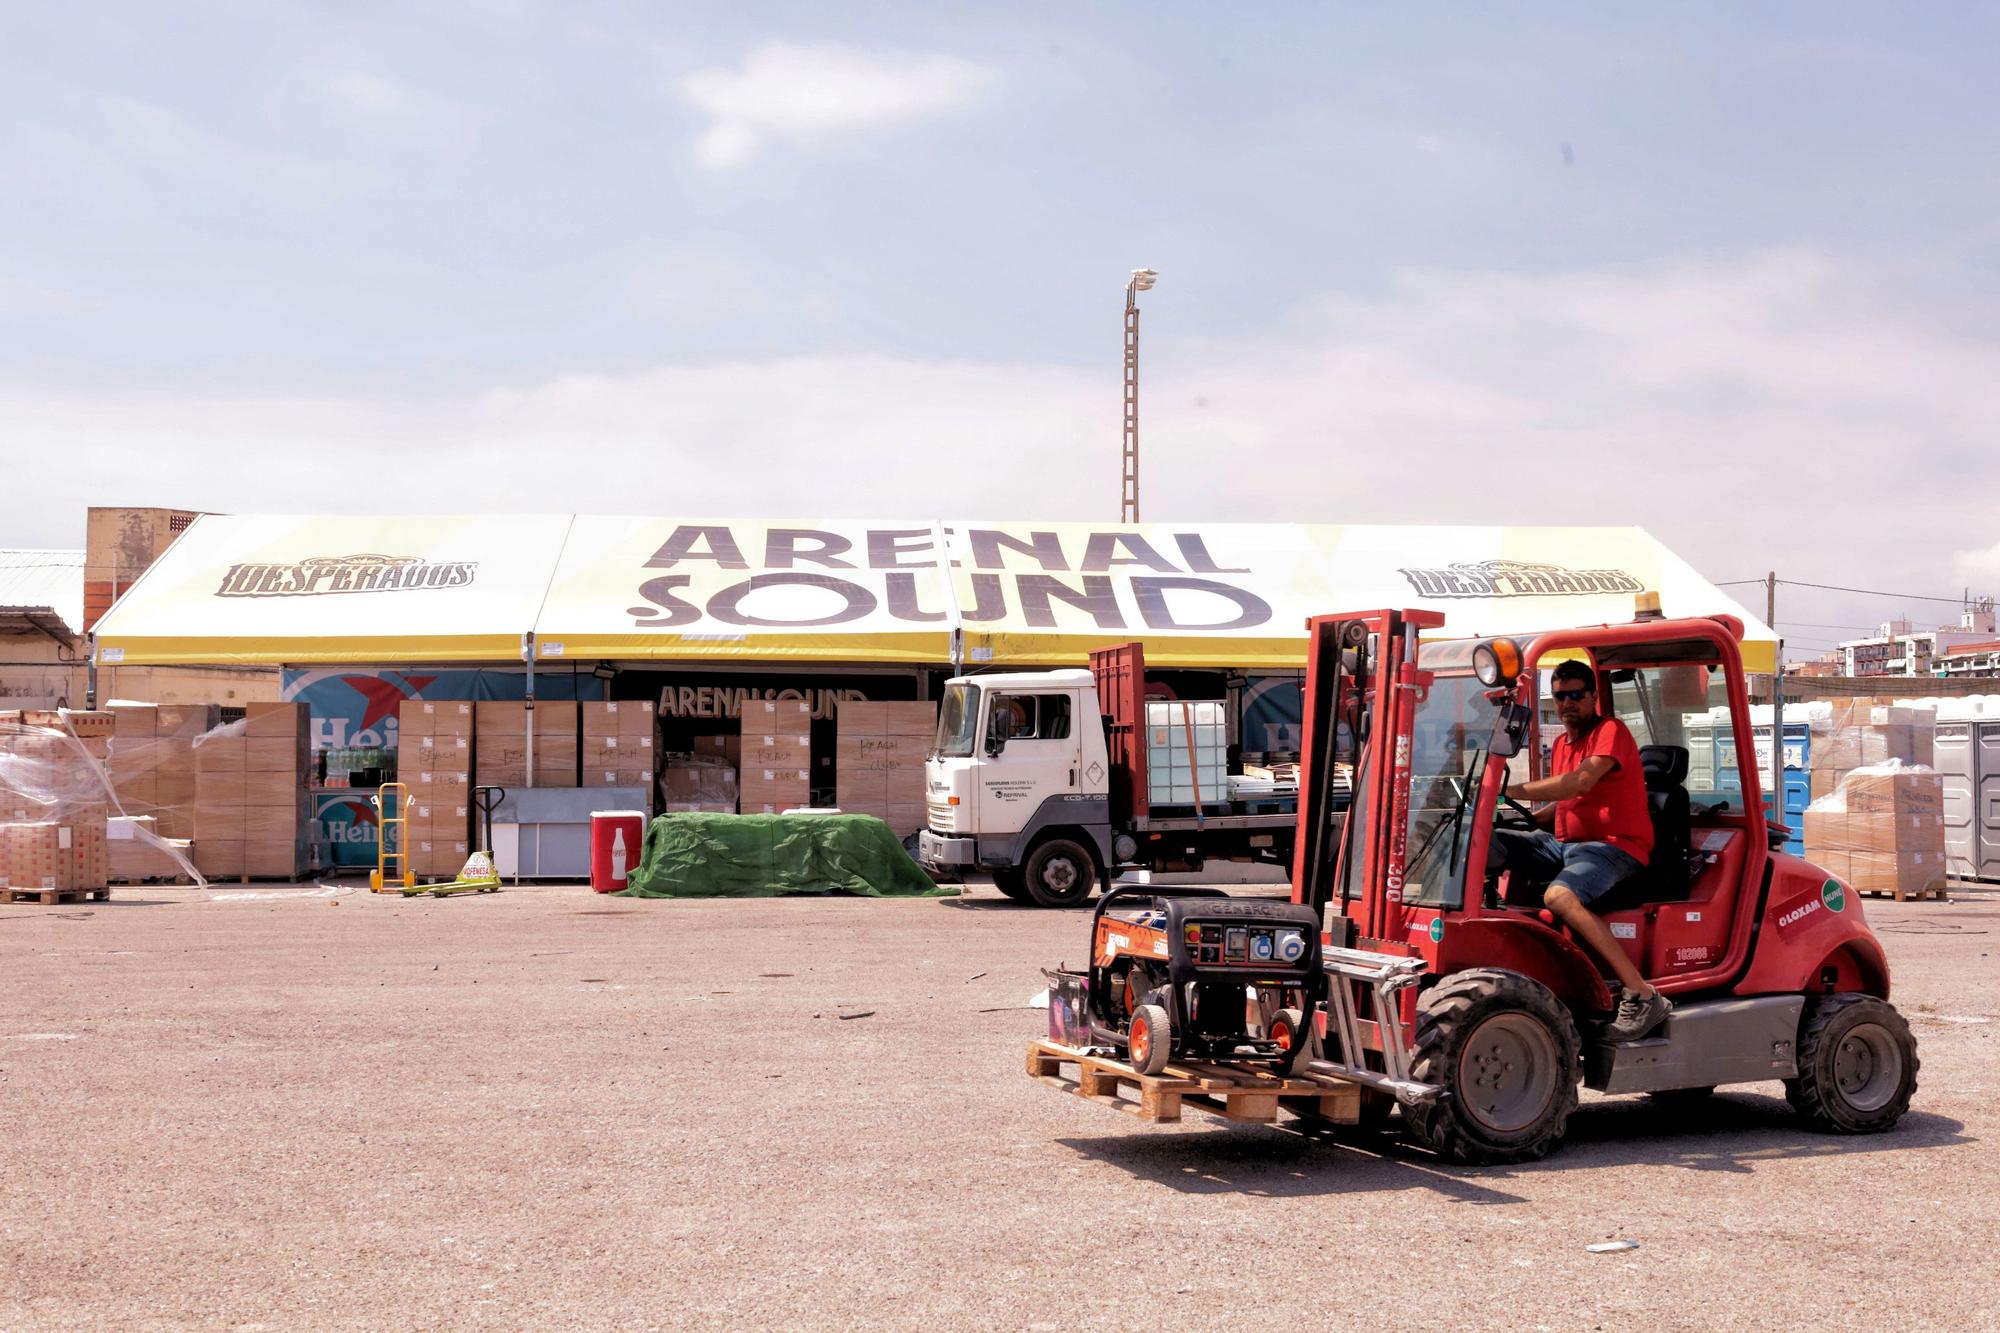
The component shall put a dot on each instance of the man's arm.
(1568, 786)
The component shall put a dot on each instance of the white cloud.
(811, 95)
(367, 93)
(1979, 566)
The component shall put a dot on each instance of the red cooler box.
(615, 838)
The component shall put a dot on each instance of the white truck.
(1054, 781)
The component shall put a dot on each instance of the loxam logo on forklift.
(1804, 910)
(1518, 578)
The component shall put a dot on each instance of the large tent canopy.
(298, 590)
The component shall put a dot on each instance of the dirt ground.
(543, 1108)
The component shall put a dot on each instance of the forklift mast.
(1360, 669)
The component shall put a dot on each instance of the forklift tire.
(1060, 873)
(1149, 1040)
(1288, 1029)
(1505, 1051)
(1857, 1065)
(1011, 883)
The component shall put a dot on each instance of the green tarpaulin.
(762, 856)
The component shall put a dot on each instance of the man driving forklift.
(1603, 836)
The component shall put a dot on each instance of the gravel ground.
(544, 1108)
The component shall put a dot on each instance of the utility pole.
(1128, 502)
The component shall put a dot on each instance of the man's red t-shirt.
(1614, 810)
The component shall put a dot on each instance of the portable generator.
(1193, 974)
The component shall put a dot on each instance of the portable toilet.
(1968, 761)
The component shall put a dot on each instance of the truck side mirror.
(1510, 731)
(998, 731)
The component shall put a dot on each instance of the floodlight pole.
(1128, 502)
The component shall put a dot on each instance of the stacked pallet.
(252, 817)
(500, 747)
(1882, 831)
(152, 761)
(776, 775)
(434, 760)
(138, 851)
(54, 801)
(879, 761)
(1862, 733)
(618, 743)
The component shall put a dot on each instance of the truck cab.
(1020, 762)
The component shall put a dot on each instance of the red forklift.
(1454, 993)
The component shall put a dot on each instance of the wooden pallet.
(1234, 1093)
(50, 897)
(164, 881)
(1935, 892)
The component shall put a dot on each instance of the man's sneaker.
(1637, 1016)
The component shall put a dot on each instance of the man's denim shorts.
(1587, 869)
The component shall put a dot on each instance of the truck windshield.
(958, 721)
(1447, 762)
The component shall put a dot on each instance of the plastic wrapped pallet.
(1882, 830)
(56, 798)
(152, 761)
(698, 784)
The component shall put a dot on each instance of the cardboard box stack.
(136, 851)
(434, 760)
(500, 746)
(1861, 732)
(152, 761)
(618, 743)
(1881, 830)
(251, 814)
(879, 761)
(53, 799)
(777, 756)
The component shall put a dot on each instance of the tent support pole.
(528, 714)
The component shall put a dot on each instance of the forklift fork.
(1386, 976)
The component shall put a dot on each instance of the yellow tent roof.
(386, 590)
(274, 589)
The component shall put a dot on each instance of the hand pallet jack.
(478, 875)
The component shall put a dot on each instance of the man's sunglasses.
(1571, 696)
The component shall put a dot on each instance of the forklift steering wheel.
(1527, 815)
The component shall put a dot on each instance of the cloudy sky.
(1724, 271)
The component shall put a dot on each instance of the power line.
(1834, 587)
(1820, 624)
(1870, 592)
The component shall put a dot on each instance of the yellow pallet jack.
(478, 875)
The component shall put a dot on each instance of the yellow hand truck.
(381, 879)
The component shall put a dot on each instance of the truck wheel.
(1149, 1041)
(1010, 882)
(1505, 1050)
(1857, 1065)
(1060, 873)
(1288, 1029)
